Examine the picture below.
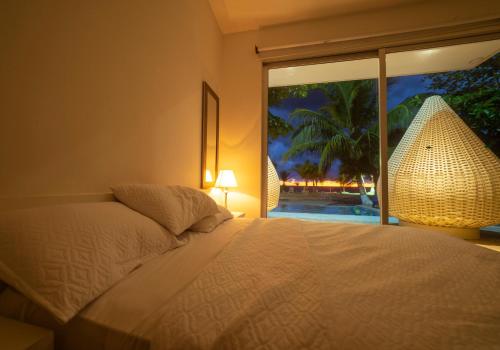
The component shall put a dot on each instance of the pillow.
(63, 257)
(209, 223)
(174, 207)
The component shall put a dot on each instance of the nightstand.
(238, 214)
(15, 335)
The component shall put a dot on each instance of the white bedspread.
(109, 322)
(288, 284)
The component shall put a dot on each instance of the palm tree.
(346, 128)
(284, 176)
(343, 180)
(306, 171)
(318, 175)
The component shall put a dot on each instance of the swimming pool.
(298, 207)
(330, 213)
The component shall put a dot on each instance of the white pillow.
(63, 257)
(174, 207)
(209, 223)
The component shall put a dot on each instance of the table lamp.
(226, 180)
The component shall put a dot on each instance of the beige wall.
(94, 93)
(240, 120)
(241, 104)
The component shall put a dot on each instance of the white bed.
(290, 284)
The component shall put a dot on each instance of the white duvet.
(288, 284)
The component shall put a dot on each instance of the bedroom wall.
(242, 76)
(240, 132)
(95, 93)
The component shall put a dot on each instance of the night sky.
(399, 89)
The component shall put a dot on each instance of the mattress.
(290, 284)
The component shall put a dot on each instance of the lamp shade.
(226, 179)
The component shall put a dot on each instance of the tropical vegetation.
(310, 173)
(473, 94)
(284, 176)
(345, 129)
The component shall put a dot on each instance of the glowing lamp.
(226, 180)
(442, 175)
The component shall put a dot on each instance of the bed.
(290, 284)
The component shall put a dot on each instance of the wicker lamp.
(442, 175)
(273, 186)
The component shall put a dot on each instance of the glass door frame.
(379, 53)
(265, 86)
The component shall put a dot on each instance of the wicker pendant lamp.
(273, 186)
(442, 175)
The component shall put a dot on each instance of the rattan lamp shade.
(441, 174)
(273, 186)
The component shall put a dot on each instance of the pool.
(298, 207)
(330, 213)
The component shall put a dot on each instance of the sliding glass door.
(435, 116)
(323, 141)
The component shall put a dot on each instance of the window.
(323, 137)
(323, 141)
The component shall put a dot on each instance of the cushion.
(209, 223)
(63, 257)
(174, 207)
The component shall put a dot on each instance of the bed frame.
(22, 202)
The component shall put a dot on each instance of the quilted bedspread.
(288, 284)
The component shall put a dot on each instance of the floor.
(489, 238)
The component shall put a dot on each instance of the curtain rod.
(395, 38)
(292, 46)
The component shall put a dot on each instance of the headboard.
(22, 202)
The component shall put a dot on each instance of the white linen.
(156, 282)
(209, 223)
(63, 257)
(174, 207)
(110, 321)
(288, 284)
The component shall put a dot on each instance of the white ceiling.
(449, 58)
(241, 15)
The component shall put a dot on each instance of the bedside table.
(238, 214)
(15, 335)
